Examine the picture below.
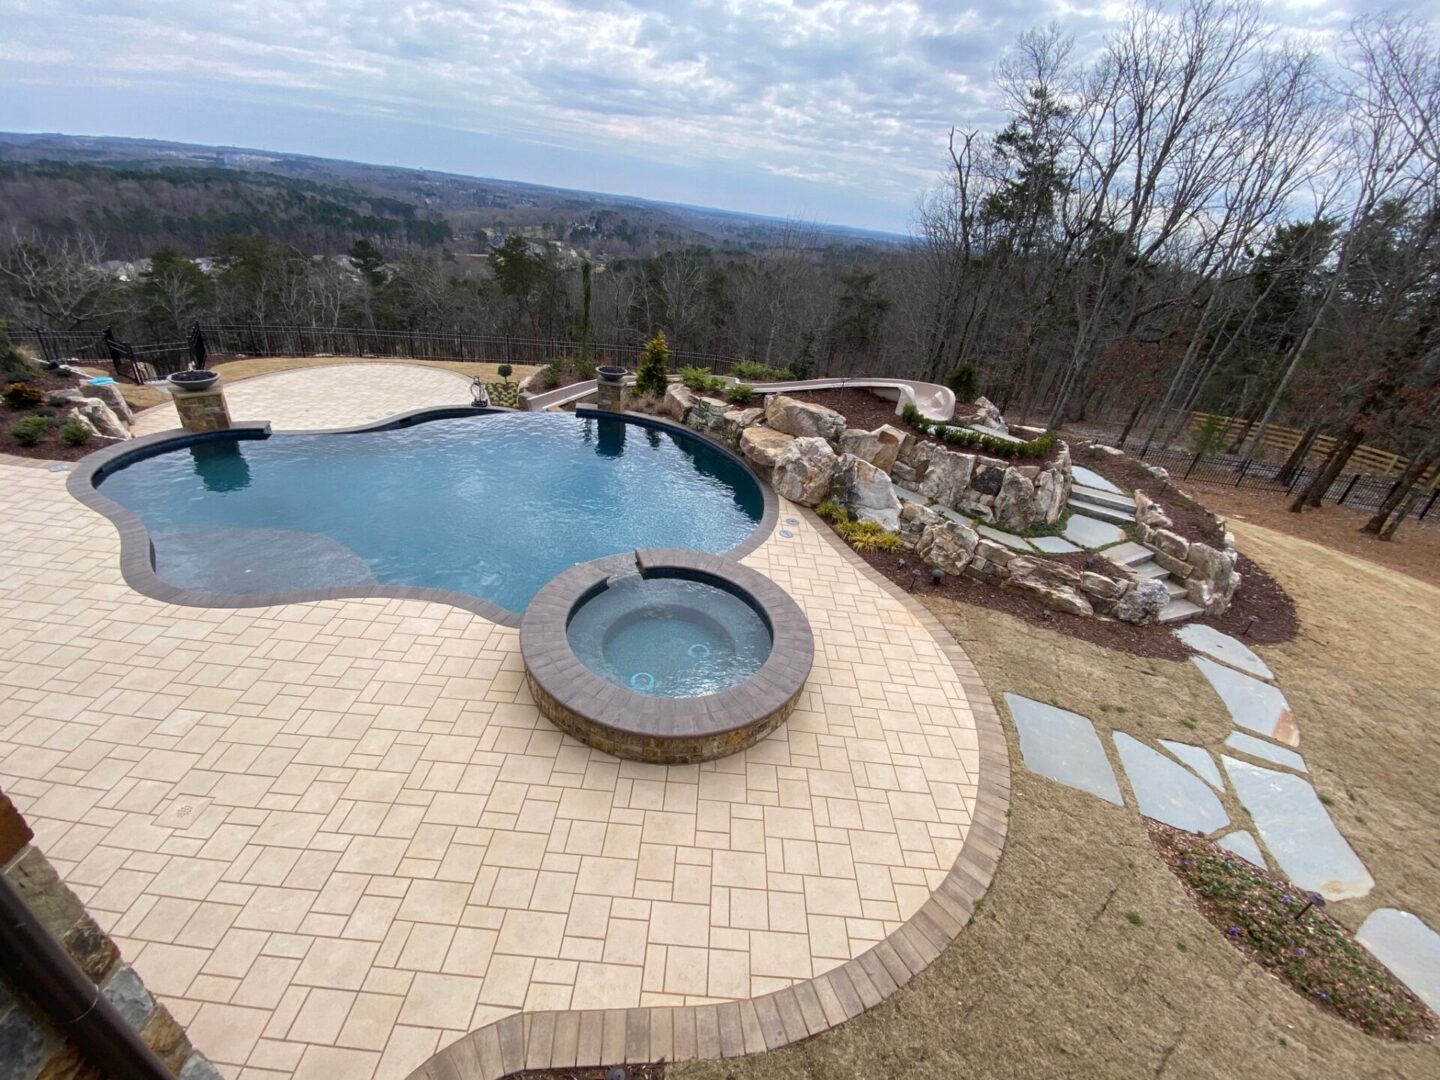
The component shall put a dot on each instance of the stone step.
(1148, 570)
(1176, 610)
(1105, 513)
(1173, 587)
(1103, 498)
(1128, 554)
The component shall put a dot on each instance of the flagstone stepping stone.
(1299, 833)
(1063, 746)
(1409, 948)
(1054, 545)
(1241, 843)
(1000, 536)
(1090, 478)
(1167, 791)
(1253, 704)
(1199, 759)
(1223, 647)
(1249, 744)
(1091, 532)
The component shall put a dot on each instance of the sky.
(834, 111)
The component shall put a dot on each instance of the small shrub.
(701, 381)
(830, 510)
(652, 377)
(585, 366)
(21, 395)
(964, 380)
(1209, 437)
(552, 374)
(56, 401)
(505, 371)
(749, 369)
(75, 434)
(739, 394)
(27, 432)
(868, 536)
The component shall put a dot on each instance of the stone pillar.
(202, 410)
(610, 395)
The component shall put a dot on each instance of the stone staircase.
(1120, 509)
(1140, 560)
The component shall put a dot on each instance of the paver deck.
(336, 836)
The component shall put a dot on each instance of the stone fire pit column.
(200, 401)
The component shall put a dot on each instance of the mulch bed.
(1264, 916)
(862, 409)
(1192, 520)
(50, 447)
(1259, 595)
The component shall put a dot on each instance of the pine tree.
(653, 375)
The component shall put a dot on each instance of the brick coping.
(137, 553)
(588, 1038)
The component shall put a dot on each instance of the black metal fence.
(230, 340)
(1359, 489)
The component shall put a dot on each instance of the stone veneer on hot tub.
(664, 730)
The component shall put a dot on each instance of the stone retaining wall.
(1208, 574)
(29, 1047)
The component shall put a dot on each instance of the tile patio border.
(578, 1039)
(137, 553)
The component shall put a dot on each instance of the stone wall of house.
(29, 1047)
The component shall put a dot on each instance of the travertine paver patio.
(334, 836)
(338, 395)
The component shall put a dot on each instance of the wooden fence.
(1282, 441)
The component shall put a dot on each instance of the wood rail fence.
(1282, 441)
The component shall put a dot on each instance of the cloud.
(852, 96)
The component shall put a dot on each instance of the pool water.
(493, 505)
(669, 637)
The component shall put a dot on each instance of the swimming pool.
(491, 506)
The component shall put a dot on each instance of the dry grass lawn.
(143, 397)
(1054, 979)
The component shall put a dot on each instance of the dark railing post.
(1244, 465)
(1295, 479)
(1193, 462)
(1348, 488)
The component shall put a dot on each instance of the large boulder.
(1056, 597)
(863, 444)
(805, 472)
(101, 417)
(1015, 502)
(891, 440)
(679, 400)
(111, 395)
(707, 415)
(988, 475)
(914, 520)
(948, 545)
(947, 475)
(735, 421)
(803, 419)
(762, 446)
(1171, 543)
(1143, 603)
(990, 416)
(866, 491)
(1045, 571)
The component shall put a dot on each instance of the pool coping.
(653, 729)
(569, 1038)
(137, 552)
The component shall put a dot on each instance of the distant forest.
(136, 211)
(1197, 217)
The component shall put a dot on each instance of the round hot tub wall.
(651, 727)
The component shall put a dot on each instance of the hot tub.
(666, 656)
